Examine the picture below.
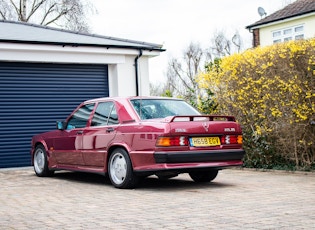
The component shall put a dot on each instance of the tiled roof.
(297, 8)
(19, 32)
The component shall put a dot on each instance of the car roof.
(129, 98)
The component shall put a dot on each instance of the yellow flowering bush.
(271, 91)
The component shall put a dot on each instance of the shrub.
(271, 91)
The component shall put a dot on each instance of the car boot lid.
(203, 124)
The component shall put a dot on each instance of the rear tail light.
(232, 139)
(172, 141)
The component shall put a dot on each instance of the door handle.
(80, 132)
(111, 129)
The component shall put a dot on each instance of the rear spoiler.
(200, 118)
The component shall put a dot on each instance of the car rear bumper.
(185, 167)
(199, 156)
(184, 162)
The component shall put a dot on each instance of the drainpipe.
(136, 68)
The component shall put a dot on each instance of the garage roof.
(20, 32)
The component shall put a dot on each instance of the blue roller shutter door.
(34, 96)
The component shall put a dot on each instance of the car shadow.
(177, 183)
(82, 177)
(149, 183)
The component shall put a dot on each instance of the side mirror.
(61, 125)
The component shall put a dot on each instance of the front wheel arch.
(44, 145)
(40, 161)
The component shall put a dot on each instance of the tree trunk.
(23, 10)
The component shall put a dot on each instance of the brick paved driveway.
(236, 199)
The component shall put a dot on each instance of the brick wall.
(256, 40)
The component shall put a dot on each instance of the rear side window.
(80, 117)
(105, 114)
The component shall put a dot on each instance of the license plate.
(204, 141)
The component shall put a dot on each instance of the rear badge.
(229, 129)
(180, 130)
(206, 126)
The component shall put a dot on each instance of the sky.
(176, 23)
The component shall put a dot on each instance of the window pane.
(276, 34)
(161, 108)
(299, 37)
(113, 118)
(288, 39)
(276, 41)
(105, 114)
(287, 31)
(298, 29)
(80, 117)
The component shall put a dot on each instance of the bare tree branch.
(16, 9)
(237, 41)
(182, 73)
(68, 14)
(48, 12)
(35, 7)
(223, 46)
(56, 18)
(3, 15)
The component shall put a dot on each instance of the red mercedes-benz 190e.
(134, 137)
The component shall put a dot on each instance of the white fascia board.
(66, 54)
(282, 21)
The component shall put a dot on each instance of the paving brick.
(236, 199)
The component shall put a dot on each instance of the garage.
(46, 72)
(35, 95)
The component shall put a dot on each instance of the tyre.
(203, 176)
(41, 163)
(120, 170)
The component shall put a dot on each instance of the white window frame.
(289, 33)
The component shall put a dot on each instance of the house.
(46, 72)
(293, 22)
